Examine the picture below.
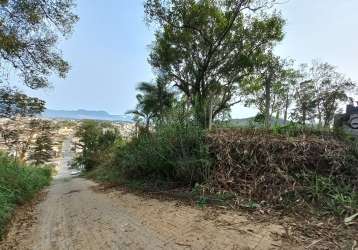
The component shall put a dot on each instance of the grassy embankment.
(19, 183)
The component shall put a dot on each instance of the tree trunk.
(136, 129)
(267, 102)
(202, 112)
(147, 123)
(277, 118)
(304, 115)
(319, 117)
(285, 116)
(210, 122)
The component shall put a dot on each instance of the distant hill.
(82, 114)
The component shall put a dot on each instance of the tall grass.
(18, 184)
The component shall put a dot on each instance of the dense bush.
(174, 152)
(18, 184)
(97, 141)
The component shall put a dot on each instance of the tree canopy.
(320, 91)
(42, 151)
(206, 48)
(14, 103)
(29, 32)
(154, 100)
(28, 36)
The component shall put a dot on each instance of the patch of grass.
(252, 205)
(202, 201)
(19, 183)
(330, 195)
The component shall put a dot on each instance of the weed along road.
(77, 214)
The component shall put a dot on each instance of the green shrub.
(175, 152)
(105, 173)
(18, 184)
(294, 130)
(96, 141)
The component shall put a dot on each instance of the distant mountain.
(82, 114)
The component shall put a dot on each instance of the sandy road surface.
(75, 216)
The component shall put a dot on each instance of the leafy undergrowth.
(19, 183)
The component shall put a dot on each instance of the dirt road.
(74, 215)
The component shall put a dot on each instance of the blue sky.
(109, 48)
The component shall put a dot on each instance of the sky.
(109, 47)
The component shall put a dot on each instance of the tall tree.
(320, 92)
(270, 88)
(287, 91)
(42, 151)
(305, 99)
(271, 75)
(331, 89)
(206, 48)
(304, 96)
(28, 36)
(29, 32)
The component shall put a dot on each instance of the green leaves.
(97, 141)
(154, 100)
(18, 183)
(14, 103)
(321, 90)
(43, 151)
(28, 36)
(206, 48)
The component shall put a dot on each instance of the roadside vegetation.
(29, 55)
(209, 56)
(282, 168)
(19, 183)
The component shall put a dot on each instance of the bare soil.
(75, 215)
